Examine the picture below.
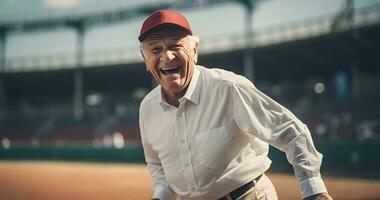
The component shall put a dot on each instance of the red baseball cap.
(163, 18)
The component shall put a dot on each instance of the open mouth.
(170, 70)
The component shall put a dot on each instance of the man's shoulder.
(150, 97)
(218, 76)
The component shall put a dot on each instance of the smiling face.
(170, 55)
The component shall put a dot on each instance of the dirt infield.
(94, 181)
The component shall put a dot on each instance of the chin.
(174, 88)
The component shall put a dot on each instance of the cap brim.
(157, 27)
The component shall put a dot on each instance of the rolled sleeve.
(162, 193)
(310, 186)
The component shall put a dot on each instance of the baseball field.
(43, 180)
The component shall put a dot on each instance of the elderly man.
(205, 132)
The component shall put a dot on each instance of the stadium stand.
(329, 78)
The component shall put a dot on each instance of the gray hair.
(194, 42)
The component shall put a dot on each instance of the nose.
(167, 56)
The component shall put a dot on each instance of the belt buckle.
(251, 184)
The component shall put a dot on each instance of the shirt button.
(182, 141)
(187, 165)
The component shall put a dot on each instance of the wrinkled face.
(170, 55)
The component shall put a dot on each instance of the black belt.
(236, 193)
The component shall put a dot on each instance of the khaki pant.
(263, 190)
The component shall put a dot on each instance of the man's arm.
(256, 113)
(161, 188)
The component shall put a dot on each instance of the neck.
(173, 98)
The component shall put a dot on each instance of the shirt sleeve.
(257, 114)
(161, 189)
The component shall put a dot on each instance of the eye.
(155, 50)
(176, 47)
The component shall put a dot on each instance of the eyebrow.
(150, 43)
(154, 41)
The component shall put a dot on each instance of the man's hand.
(320, 196)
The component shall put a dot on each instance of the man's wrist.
(320, 196)
(311, 186)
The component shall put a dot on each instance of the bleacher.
(58, 125)
(290, 60)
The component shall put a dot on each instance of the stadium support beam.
(78, 71)
(3, 99)
(3, 43)
(248, 59)
(349, 12)
(248, 53)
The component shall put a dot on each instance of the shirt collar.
(192, 92)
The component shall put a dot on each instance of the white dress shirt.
(217, 139)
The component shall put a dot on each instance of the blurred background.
(71, 77)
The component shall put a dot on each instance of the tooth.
(169, 68)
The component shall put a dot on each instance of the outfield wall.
(339, 156)
(83, 152)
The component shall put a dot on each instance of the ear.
(195, 49)
(142, 54)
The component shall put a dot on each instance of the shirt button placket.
(185, 150)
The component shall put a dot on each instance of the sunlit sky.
(216, 21)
